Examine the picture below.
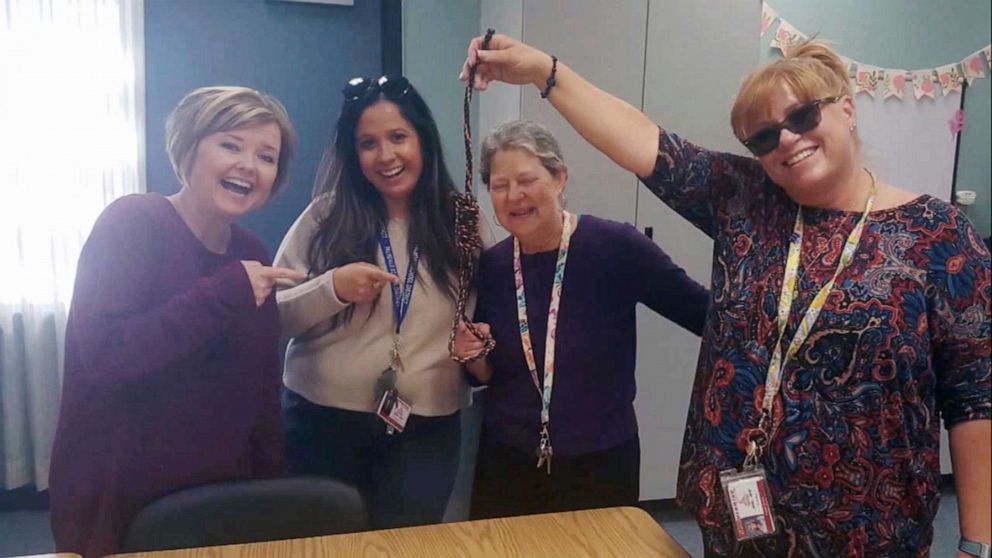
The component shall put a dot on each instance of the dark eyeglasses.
(801, 120)
(393, 87)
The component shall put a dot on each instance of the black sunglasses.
(801, 120)
(392, 87)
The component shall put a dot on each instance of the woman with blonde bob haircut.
(171, 364)
(847, 315)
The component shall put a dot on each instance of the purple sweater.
(171, 373)
(611, 268)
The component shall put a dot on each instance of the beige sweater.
(339, 367)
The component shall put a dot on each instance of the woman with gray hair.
(561, 377)
(171, 362)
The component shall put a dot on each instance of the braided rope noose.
(468, 244)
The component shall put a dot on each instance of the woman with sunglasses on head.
(373, 396)
(847, 316)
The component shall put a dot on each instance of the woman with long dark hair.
(373, 396)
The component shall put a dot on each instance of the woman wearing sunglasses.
(848, 315)
(372, 395)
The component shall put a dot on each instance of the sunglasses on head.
(393, 87)
(801, 120)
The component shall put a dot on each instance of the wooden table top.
(611, 532)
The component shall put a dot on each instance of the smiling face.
(809, 166)
(233, 171)
(525, 197)
(389, 152)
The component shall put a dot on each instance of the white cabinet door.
(603, 41)
(697, 54)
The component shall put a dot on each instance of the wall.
(914, 34)
(300, 53)
(435, 34)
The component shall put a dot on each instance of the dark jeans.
(508, 482)
(406, 478)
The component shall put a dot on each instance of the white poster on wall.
(910, 143)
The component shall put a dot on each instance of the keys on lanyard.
(544, 450)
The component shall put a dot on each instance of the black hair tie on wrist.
(551, 80)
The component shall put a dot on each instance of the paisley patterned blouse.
(903, 340)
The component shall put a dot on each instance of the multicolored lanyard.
(779, 357)
(544, 450)
(401, 301)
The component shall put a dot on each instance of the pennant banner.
(786, 36)
(950, 78)
(894, 81)
(923, 85)
(866, 79)
(768, 17)
(974, 67)
(885, 82)
(957, 123)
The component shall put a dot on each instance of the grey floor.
(26, 532)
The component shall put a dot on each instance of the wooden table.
(611, 532)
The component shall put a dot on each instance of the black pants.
(508, 482)
(406, 478)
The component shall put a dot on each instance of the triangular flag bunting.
(950, 79)
(786, 36)
(768, 17)
(894, 82)
(866, 79)
(923, 85)
(974, 67)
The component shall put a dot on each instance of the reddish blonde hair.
(811, 69)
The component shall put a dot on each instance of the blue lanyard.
(401, 301)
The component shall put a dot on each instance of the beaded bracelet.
(551, 80)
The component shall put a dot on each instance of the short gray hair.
(526, 135)
(209, 110)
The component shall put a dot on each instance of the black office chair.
(247, 511)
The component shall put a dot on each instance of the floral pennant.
(768, 17)
(786, 36)
(973, 67)
(957, 123)
(894, 82)
(950, 78)
(923, 85)
(866, 79)
(988, 55)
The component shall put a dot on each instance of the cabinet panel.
(604, 42)
(697, 54)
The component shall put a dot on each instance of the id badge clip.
(394, 411)
(391, 408)
(748, 501)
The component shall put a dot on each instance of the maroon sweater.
(171, 373)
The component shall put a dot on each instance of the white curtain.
(71, 141)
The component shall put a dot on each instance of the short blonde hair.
(209, 110)
(812, 70)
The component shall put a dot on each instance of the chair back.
(247, 511)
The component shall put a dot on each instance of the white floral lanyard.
(774, 379)
(544, 451)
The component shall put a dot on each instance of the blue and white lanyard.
(401, 300)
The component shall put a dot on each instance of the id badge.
(393, 410)
(747, 497)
